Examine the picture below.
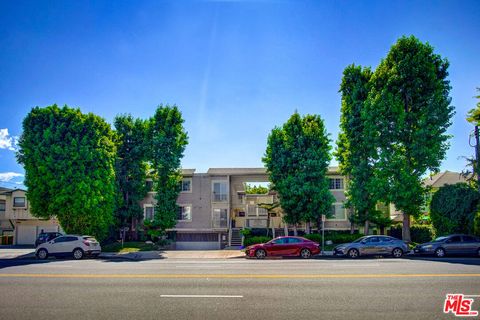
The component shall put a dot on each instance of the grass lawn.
(128, 247)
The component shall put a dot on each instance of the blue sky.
(236, 69)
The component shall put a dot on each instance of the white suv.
(69, 245)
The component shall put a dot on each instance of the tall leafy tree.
(297, 159)
(168, 140)
(473, 163)
(353, 150)
(130, 169)
(453, 209)
(69, 160)
(406, 115)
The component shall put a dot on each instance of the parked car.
(46, 236)
(284, 246)
(451, 244)
(372, 245)
(69, 245)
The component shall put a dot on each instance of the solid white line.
(196, 296)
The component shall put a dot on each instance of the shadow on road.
(466, 260)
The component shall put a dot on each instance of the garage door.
(26, 235)
(190, 245)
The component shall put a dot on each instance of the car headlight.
(428, 246)
(340, 248)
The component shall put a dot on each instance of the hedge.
(248, 241)
(336, 238)
(418, 233)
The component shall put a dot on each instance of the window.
(294, 240)
(184, 213)
(386, 239)
(60, 239)
(280, 241)
(2, 205)
(338, 212)
(336, 184)
(19, 202)
(454, 239)
(219, 218)
(187, 185)
(219, 191)
(149, 212)
(373, 240)
(469, 239)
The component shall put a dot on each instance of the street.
(239, 288)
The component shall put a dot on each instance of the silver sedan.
(372, 245)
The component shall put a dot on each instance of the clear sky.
(236, 69)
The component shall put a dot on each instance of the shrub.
(255, 240)
(453, 209)
(419, 233)
(336, 238)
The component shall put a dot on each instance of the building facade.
(214, 207)
(17, 225)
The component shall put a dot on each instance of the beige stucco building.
(17, 225)
(214, 207)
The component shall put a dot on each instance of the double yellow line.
(238, 276)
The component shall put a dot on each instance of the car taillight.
(86, 243)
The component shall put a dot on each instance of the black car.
(449, 245)
(46, 236)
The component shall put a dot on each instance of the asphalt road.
(235, 288)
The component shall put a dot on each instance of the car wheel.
(305, 253)
(260, 254)
(353, 253)
(397, 253)
(78, 254)
(42, 254)
(440, 252)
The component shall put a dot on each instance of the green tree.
(453, 209)
(254, 189)
(297, 159)
(406, 116)
(168, 140)
(130, 170)
(473, 163)
(353, 150)
(69, 160)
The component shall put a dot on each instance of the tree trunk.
(366, 227)
(285, 228)
(295, 233)
(268, 223)
(382, 230)
(307, 227)
(406, 228)
(319, 224)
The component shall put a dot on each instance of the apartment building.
(17, 225)
(214, 207)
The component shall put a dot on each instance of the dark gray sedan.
(372, 245)
(451, 244)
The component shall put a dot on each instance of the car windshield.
(439, 239)
(360, 239)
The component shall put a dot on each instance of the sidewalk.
(28, 253)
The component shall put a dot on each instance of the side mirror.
(363, 241)
(448, 241)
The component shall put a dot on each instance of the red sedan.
(284, 246)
